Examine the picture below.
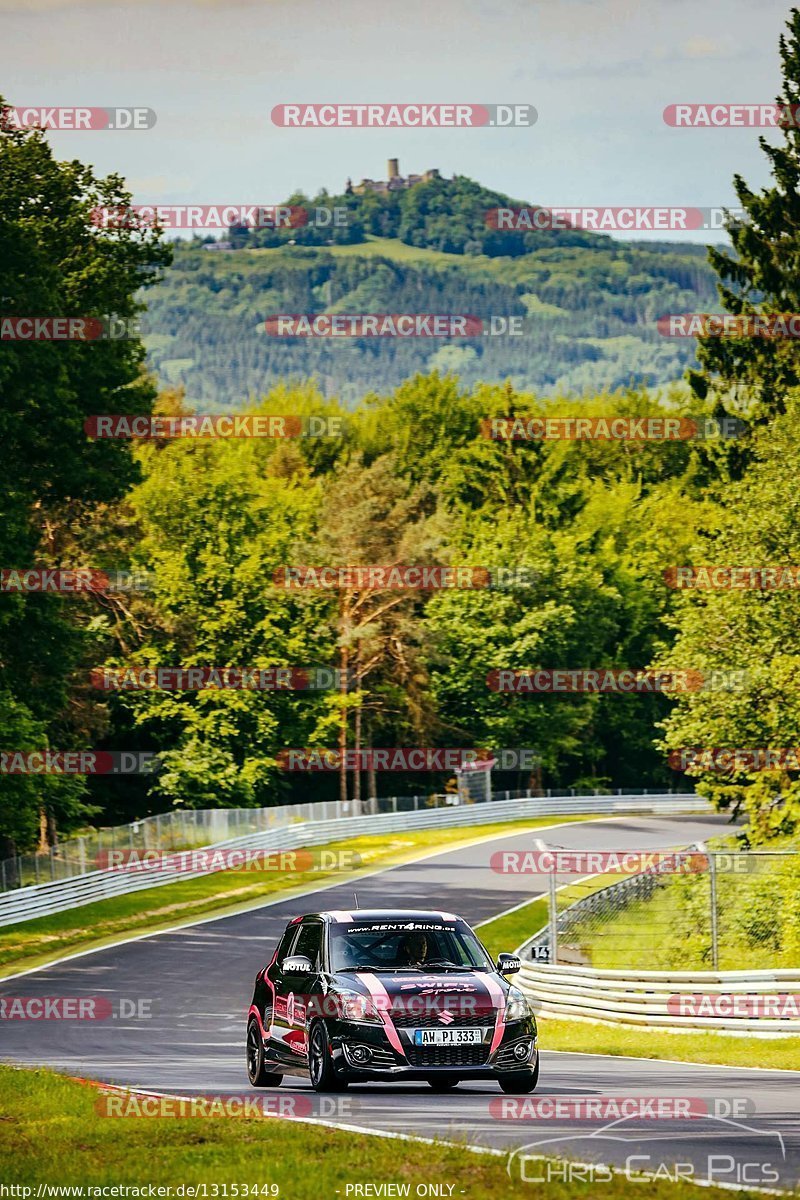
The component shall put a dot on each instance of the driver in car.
(414, 948)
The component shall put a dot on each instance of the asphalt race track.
(196, 983)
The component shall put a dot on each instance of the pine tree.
(750, 375)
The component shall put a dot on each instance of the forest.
(587, 306)
(591, 531)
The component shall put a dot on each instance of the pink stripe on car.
(499, 1000)
(379, 993)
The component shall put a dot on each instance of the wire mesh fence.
(183, 829)
(713, 910)
(188, 829)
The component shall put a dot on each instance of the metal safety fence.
(189, 829)
(747, 1002)
(702, 909)
(325, 821)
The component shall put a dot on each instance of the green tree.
(750, 635)
(592, 522)
(373, 515)
(750, 375)
(216, 520)
(56, 261)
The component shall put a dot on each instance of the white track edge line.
(676, 1062)
(495, 1151)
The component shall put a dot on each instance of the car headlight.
(353, 1006)
(516, 1005)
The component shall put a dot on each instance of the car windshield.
(405, 946)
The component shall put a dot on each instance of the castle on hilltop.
(395, 183)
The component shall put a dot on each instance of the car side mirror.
(297, 964)
(508, 964)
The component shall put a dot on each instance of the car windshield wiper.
(445, 964)
(437, 964)
(365, 967)
(427, 967)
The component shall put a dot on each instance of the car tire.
(443, 1085)
(321, 1070)
(519, 1083)
(257, 1071)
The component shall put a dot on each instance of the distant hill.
(590, 303)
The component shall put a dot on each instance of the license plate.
(447, 1037)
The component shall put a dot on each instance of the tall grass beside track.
(52, 1134)
(508, 932)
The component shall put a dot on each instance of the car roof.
(384, 914)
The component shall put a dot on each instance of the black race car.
(384, 995)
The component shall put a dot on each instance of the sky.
(599, 72)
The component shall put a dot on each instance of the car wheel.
(443, 1085)
(320, 1064)
(519, 1083)
(257, 1071)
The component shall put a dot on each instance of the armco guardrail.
(660, 999)
(41, 900)
(189, 829)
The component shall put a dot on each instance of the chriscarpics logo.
(709, 1144)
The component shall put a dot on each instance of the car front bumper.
(365, 1051)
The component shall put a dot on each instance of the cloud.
(703, 47)
(158, 185)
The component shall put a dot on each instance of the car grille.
(483, 1018)
(447, 1056)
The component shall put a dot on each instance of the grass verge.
(511, 930)
(32, 943)
(758, 911)
(52, 1134)
(713, 1048)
